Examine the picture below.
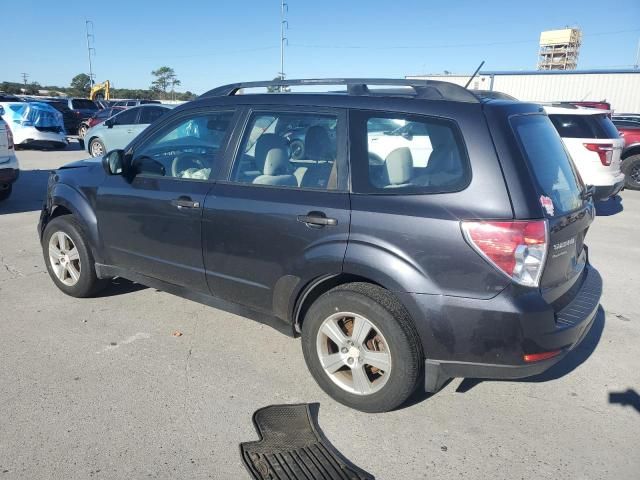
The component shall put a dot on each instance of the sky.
(209, 43)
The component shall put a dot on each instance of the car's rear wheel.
(82, 131)
(631, 170)
(69, 259)
(96, 147)
(5, 191)
(361, 347)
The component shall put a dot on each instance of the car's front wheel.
(361, 347)
(69, 259)
(5, 191)
(631, 170)
(96, 148)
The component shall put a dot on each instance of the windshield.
(551, 165)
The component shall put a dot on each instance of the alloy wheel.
(64, 258)
(353, 353)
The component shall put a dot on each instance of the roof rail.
(425, 89)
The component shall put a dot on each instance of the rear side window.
(151, 114)
(128, 117)
(80, 103)
(404, 154)
(584, 126)
(549, 161)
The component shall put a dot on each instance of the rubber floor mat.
(291, 447)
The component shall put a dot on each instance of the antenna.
(90, 50)
(284, 9)
(637, 64)
(474, 74)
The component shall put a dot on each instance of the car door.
(117, 133)
(150, 218)
(272, 223)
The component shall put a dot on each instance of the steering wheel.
(185, 161)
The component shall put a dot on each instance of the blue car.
(118, 131)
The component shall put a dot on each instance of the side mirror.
(108, 123)
(113, 162)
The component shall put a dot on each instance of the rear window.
(84, 104)
(407, 154)
(552, 168)
(584, 126)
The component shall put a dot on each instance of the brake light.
(604, 151)
(516, 248)
(9, 138)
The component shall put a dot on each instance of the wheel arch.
(66, 200)
(630, 151)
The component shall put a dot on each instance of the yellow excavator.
(99, 87)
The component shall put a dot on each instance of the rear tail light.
(9, 138)
(604, 151)
(516, 248)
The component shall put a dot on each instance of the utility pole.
(90, 50)
(284, 8)
(25, 76)
(637, 64)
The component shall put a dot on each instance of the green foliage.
(165, 78)
(81, 85)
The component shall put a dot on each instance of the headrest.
(399, 166)
(266, 142)
(276, 162)
(317, 143)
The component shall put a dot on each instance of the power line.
(446, 45)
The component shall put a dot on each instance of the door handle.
(317, 219)
(185, 202)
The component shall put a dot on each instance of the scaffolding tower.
(559, 49)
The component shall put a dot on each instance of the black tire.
(391, 320)
(5, 193)
(631, 170)
(82, 131)
(96, 141)
(88, 283)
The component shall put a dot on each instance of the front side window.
(417, 155)
(191, 148)
(128, 117)
(151, 114)
(288, 150)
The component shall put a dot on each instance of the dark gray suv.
(424, 233)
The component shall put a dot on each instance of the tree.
(81, 84)
(165, 77)
(275, 89)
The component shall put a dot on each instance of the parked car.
(35, 124)
(133, 103)
(7, 97)
(594, 144)
(494, 94)
(9, 167)
(630, 132)
(96, 119)
(119, 130)
(70, 119)
(393, 274)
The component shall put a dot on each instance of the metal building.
(621, 88)
(559, 49)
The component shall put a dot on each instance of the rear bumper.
(604, 192)
(8, 175)
(473, 338)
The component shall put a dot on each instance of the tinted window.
(627, 123)
(150, 114)
(549, 161)
(83, 103)
(584, 126)
(289, 150)
(421, 155)
(128, 117)
(189, 148)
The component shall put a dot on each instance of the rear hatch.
(591, 136)
(564, 202)
(4, 144)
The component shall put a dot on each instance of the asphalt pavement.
(101, 388)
